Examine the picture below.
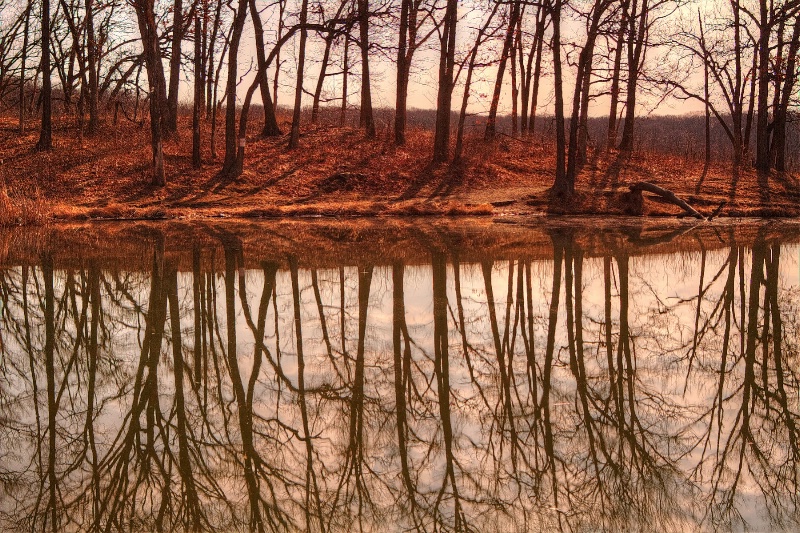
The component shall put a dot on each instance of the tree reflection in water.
(610, 390)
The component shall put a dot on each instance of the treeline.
(737, 58)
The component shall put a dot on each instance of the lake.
(400, 375)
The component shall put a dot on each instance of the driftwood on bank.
(669, 196)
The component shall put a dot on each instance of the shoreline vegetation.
(341, 172)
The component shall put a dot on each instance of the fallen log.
(667, 195)
(717, 211)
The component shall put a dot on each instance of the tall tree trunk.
(462, 117)
(281, 10)
(563, 184)
(706, 93)
(271, 128)
(514, 87)
(763, 162)
(537, 70)
(491, 120)
(611, 141)
(781, 113)
(367, 119)
(23, 66)
(46, 133)
(400, 112)
(91, 60)
(211, 79)
(174, 68)
(199, 83)
(636, 44)
(576, 155)
(525, 75)
(748, 128)
(345, 76)
(155, 79)
(441, 141)
(228, 167)
(738, 90)
(323, 73)
(294, 137)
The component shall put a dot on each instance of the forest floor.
(338, 172)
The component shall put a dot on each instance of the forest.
(541, 103)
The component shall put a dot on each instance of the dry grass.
(337, 172)
(22, 210)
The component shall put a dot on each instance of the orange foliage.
(338, 172)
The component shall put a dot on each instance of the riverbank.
(327, 242)
(338, 172)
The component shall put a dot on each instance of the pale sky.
(422, 87)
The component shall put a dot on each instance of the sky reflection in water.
(557, 378)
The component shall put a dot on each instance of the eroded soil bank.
(323, 242)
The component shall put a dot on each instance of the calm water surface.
(400, 377)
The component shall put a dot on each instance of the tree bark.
(46, 133)
(155, 78)
(537, 70)
(667, 195)
(441, 142)
(91, 60)
(271, 128)
(211, 79)
(563, 185)
(199, 83)
(400, 112)
(174, 68)
(228, 167)
(636, 44)
(367, 120)
(23, 59)
(491, 121)
(323, 73)
(462, 117)
(781, 113)
(576, 155)
(281, 10)
(763, 162)
(294, 137)
(345, 77)
(611, 141)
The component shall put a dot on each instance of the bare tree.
(171, 123)
(508, 42)
(23, 66)
(563, 186)
(148, 29)
(46, 132)
(412, 20)
(483, 35)
(576, 155)
(271, 128)
(199, 83)
(367, 119)
(232, 143)
(447, 53)
(294, 136)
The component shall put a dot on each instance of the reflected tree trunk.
(442, 367)
(50, 371)
(311, 477)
